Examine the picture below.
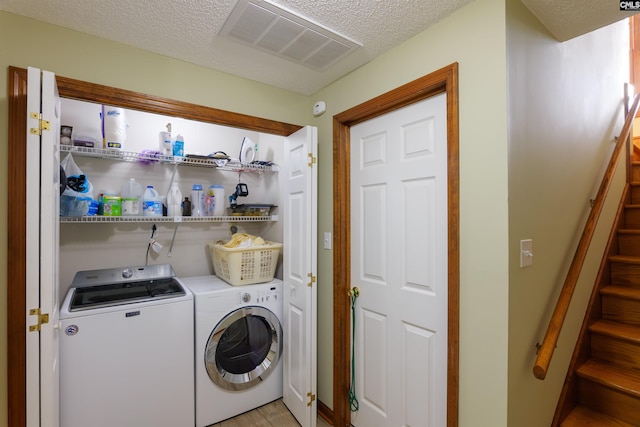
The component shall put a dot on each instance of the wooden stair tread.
(581, 416)
(622, 380)
(617, 330)
(629, 231)
(626, 259)
(622, 291)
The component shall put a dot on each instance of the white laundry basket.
(245, 266)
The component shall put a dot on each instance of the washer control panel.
(122, 275)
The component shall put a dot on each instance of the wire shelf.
(156, 157)
(164, 219)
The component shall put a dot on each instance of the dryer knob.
(246, 297)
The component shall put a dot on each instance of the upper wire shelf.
(154, 157)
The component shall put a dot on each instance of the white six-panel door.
(299, 275)
(43, 177)
(399, 264)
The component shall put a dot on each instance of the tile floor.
(274, 414)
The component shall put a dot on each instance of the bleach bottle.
(152, 205)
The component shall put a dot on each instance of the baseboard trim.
(325, 412)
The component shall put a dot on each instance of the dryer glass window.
(244, 348)
(244, 345)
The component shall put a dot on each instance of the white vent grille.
(270, 28)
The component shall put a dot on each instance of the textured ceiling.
(566, 19)
(188, 29)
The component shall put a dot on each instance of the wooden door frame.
(444, 80)
(16, 256)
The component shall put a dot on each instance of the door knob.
(354, 292)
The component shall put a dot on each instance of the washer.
(126, 349)
(238, 346)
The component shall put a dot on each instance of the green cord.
(353, 400)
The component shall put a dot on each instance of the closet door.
(42, 217)
(300, 176)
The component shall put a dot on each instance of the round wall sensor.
(319, 108)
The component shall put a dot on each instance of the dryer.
(238, 346)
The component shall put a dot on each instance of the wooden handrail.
(545, 350)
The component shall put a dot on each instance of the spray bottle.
(166, 147)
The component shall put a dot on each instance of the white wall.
(565, 108)
(475, 38)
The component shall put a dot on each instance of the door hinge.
(42, 124)
(312, 160)
(42, 319)
(311, 397)
(312, 281)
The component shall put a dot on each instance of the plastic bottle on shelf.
(197, 200)
(152, 204)
(178, 146)
(174, 201)
(131, 193)
(209, 201)
(216, 193)
(166, 146)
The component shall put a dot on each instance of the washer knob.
(246, 297)
(127, 273)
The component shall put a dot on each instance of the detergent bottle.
(174, 201)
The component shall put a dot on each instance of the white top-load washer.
(126, 349)
(238, 346)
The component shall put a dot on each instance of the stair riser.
(635, 173)
(629, 244)
(635, 191)
(610, 402)
(632, 218)
(621, 310)
(625, 274)
(622, 353)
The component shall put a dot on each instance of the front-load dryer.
(238, 347)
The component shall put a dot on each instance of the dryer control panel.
(260, 294)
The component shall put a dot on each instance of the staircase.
(603, 384)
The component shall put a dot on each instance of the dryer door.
(244, 348)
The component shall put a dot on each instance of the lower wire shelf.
(92, 219)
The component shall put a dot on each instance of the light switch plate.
(327, 240)
(526, 252)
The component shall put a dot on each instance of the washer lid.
(90, 297)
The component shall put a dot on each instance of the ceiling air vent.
(270, 28)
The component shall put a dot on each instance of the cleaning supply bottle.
(131, 193)
(152, 204)
(215, 207)
(186, 207)
(166, 146)
(209, 201)
(178, 146)
(197, 200)
(174, 201)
